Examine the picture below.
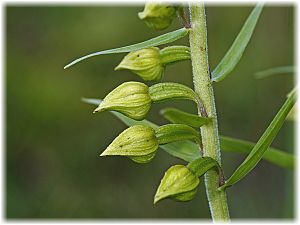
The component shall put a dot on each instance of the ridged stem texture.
(203, 87)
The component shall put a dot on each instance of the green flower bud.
(146, 63)
(130, 98)
(149, 63)
(137, 143)
(158, 16)
(178, 183)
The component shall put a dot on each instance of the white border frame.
(124, 221)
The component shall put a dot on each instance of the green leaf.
(189, 151)
(234, 54)
(274, 71)
(176, 132)
(263, 143)
(178, 116)
(292, 116)
(272, 155)
(160, 40)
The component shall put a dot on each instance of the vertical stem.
(203, 87)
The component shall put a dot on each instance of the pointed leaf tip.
(160, 40)
(274, 71)
(235, 52)
(263, 143)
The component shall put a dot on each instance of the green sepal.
(137, 143)
(149, 63)
(176, 132)
(130, 98)
(178, 183)
(146, 63)
(158, 16)
(166, 91)
(143, 158)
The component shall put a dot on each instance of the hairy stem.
(203, 87)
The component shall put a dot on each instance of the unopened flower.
(158, 16)
(178, 183)
(137, 142)
(146, 63)
(149, 63)
(130, 98)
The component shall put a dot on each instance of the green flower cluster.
(133, 99)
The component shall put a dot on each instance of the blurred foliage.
(53, 140)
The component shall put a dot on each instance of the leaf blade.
(273, 71)
(160, 40)
(263, 143)
(178, 116)
(235, 52)
(272, 155)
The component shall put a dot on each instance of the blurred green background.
(53, 140)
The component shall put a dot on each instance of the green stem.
(203, 87)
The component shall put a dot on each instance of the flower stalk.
(203, 87)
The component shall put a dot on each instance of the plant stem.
(203, 87)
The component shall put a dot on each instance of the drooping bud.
(178, 183)
(134, 99)
(130, 98)
(158, 16)
(146, 63)
(137, 142)
(149, 63)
